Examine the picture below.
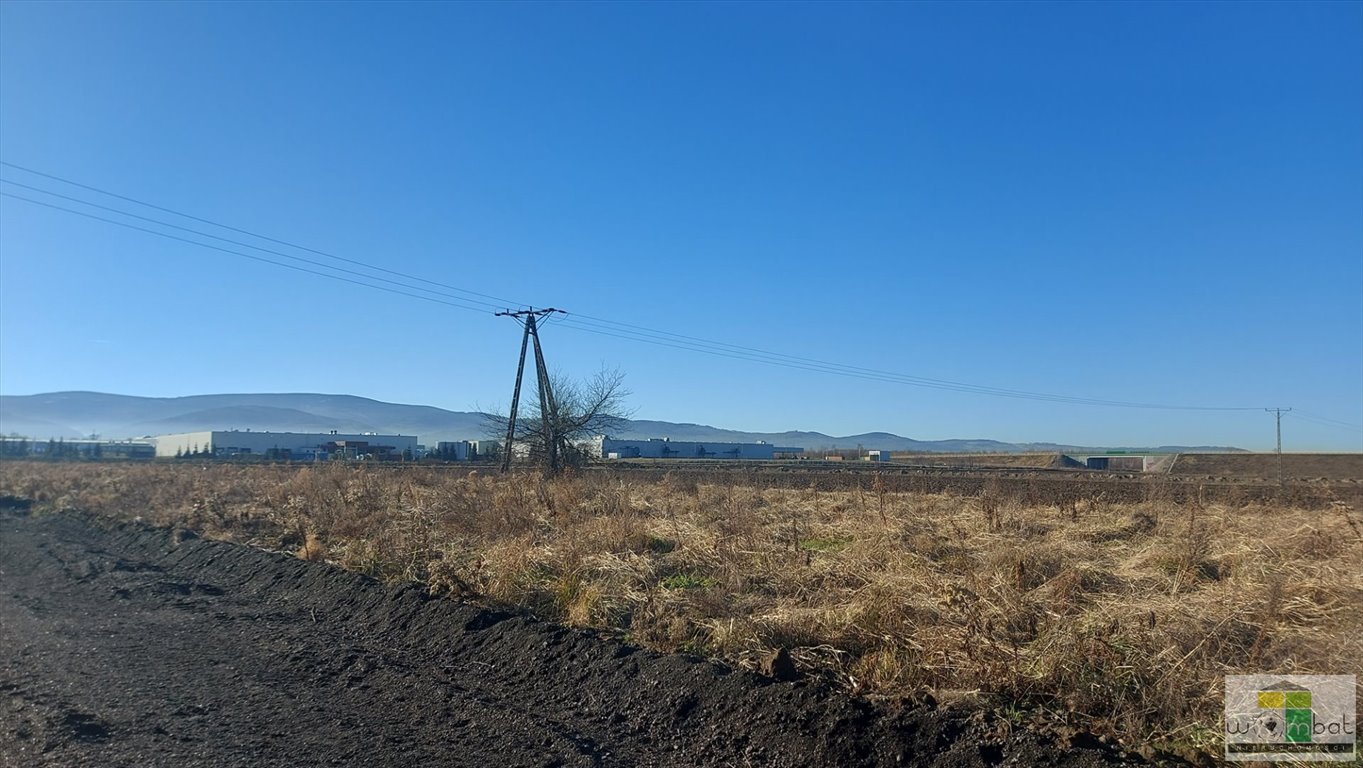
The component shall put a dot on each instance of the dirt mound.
(127, 645)
(968, 460)
(1295, 466)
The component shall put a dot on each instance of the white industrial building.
(286, 445)
(665, 448)
(85, 449)
(466, 450)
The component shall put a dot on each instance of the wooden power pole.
(529, 319)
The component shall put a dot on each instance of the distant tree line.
(17, 446)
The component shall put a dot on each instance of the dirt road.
(122, 645)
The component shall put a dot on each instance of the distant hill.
(80, 414)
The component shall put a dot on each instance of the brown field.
(1069, 613)
(1346, 467)
(1018, 460)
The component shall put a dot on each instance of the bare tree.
(586, 409)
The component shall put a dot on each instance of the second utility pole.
(1278, 412)
(548, 408)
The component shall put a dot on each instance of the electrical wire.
(579, 322)
(782, 363)
(679, 341)
(501, 302)
(1323, 421)
(314, 262)
(295, 267)
(666, 339)
(703, 346)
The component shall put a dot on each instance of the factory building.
(287, 446)
(664, 448)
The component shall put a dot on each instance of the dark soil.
(123, 645)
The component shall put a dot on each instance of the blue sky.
(1159, 203)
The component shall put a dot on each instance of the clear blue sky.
(1139, 202)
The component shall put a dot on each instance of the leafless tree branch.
(586, 409)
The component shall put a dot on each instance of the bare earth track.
(124, 645)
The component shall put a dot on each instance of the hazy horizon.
(633, 431)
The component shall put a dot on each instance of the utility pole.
(529, 319)
(1278, 415)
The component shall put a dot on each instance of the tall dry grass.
(1120, 619)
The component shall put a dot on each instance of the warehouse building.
(466, 450)
(665, 448)
(81, 449)
(287, 446)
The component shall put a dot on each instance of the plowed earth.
(123, 645)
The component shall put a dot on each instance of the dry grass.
(1115, 618)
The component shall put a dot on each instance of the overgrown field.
(1118, 619)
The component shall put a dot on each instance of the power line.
(676, 341)
(682, 341)
(295, 267)
(582, 323)
(314, 262)
(697, 346)
(1326, 422)
(679, 341)
(627, 335)
(500, 301)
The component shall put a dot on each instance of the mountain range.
(81, 414)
